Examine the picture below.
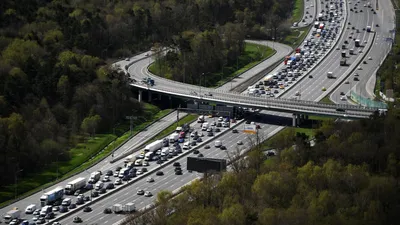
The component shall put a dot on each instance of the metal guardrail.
(288, 105)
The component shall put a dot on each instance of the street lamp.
(202, 74)
(16, 182)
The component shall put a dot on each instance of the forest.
(57, 87)
(350, 176)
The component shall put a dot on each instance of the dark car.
(49, 216)
(109, 173)
(160, 173)
(196, 151)
(77, 219)
(177, 168)
(248, 122)
(222, 147)
(355, 79)
(210, 134)
(217, 130)
(176, 164)
(207, 147)
(107, 211)
(86, 198)
(87, 209)
(63, 209)
(200, 155)
(193, 143)
(118, 168)
(199, 140)
(72, 206)
(89, 186)
(310, 76)
(340, 110)
(79, 201)
(234, 131)
(102, 191)
(144, 170)
(178, 172)
(110, 186)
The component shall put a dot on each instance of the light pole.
(16, 181)
(273, 43)
(202, 74)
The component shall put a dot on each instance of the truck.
(94, 177)
(129, 207)
(204, 126)
(343, 62)
(173, 137)
(357, 42)
(129, 158)
(123, 172)
(74, 185)
(52, 196)
(149, 156)
(316, 24)
(343, 54)
(368, 28)
(320, 17)
(351, 51)
(153, 146)
(200, 119)
(298, 56)
(330, 75)
(117, 208)
(15, 213)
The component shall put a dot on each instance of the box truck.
(129, 207)
(368, 28)
(154, 146)
(173, 137)
(200, 119)
(129, 158)
(74, 185)
(117, 208)
(12, 214)
(357, 42)
(52, 196)
(94, 177)
(330, 75)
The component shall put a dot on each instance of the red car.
(258, 126)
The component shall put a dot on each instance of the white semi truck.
(154, 146)
(74, 185)
(129, 207)
(173, 137)
(12, 214)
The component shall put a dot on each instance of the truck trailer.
(154, 146)
(117, 208)
(173, 137)
(74, 185)
(129, 207)
(12, 214)
(52, 196)
(94, 177)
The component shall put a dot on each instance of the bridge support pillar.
(294, 123)
(159, 97)
(149, 99)
(170, 101)
(306, 117)
(140, 95)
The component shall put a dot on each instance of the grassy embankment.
(82, 156)
(253, 54)
(298, 11)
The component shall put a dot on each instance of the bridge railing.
(264, 102)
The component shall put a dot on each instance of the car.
(200, 155)
(355, 79)
(176, 164)
(144, 170)
(343, 98)
(49, 216)
(26, 222)
(106, 178)
(109, 172)
(359, 68)
(210, 134)
(110, 186)
(118, 181)
(86, 198)
(340, 110)
(365, 62)
(41, 220)
(196, 151)
(310, 76)
(79, 201)
(55, 208)
(72, 206)
(118, 168)
(199, 140)
(377, 25)
(78, 192)
(177, 168)
(77, 219)
(239, 143)
(148, 194)
(149, 180)
(103, 190)
(63, 209)
(107, 211)
(160, 173)
(323, 89)
(54, 223)
(140, 192)
(207, 147)
(178, 172)
(127, 59)
(36, 212)
(369, 58)
(222, 147)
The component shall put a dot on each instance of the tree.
(90, 123)
(233, 215)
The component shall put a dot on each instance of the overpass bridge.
(298, 108)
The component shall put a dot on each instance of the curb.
(187, 152)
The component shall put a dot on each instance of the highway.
(103, 165)
(309, 13)
(381, 47)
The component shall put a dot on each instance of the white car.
(145, 163)
(150, 180)
(106, 178)
(343, 98)
(359, 68)
(148, 194)
(118, 182)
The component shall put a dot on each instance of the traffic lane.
(124, 62)
(312, 87)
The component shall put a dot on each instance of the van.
(178, 129)
(218, 143)
(46, 209)
(138, 162)
(30, 209)
(164, 151)
(66, 202)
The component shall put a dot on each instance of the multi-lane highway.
(310, 89)
(385, 18)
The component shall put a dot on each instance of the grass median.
(82, 156)
(298, 11)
